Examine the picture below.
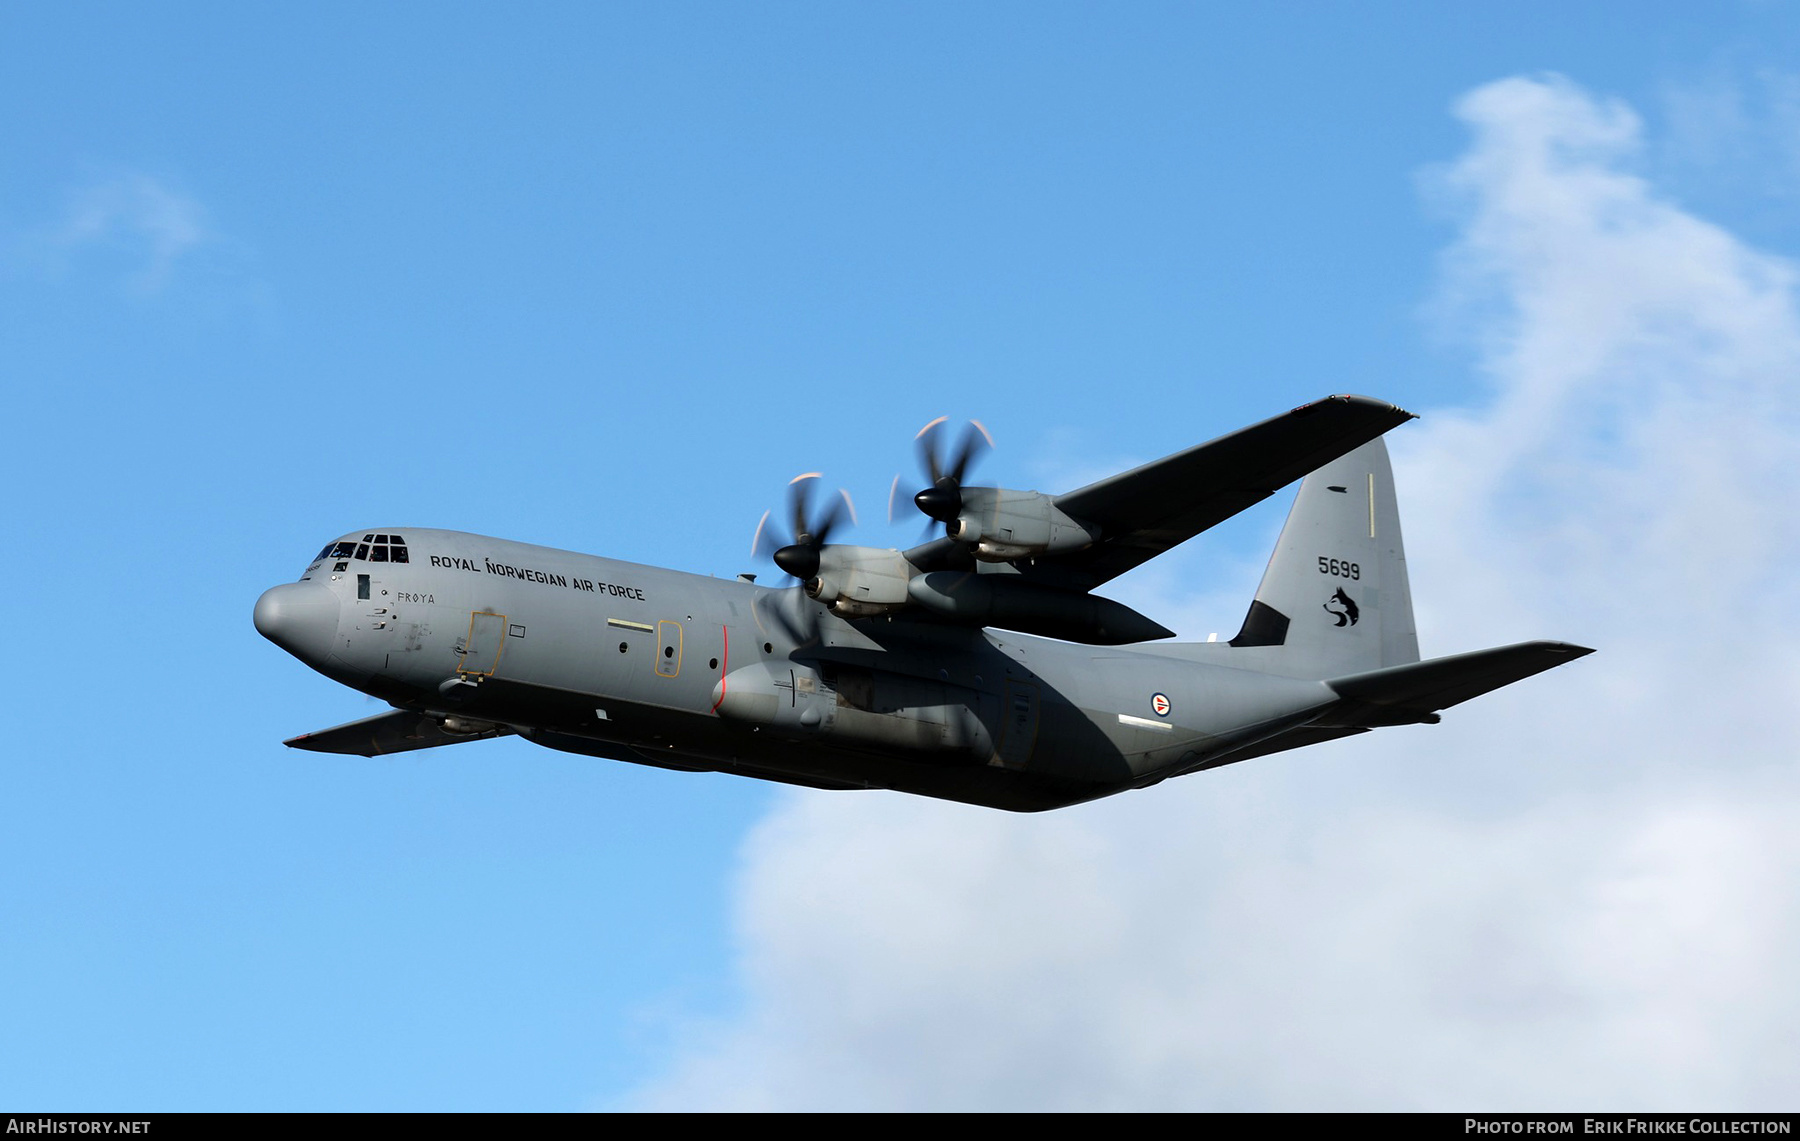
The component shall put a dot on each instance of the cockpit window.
(373, 548)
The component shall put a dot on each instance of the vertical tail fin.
(1334, 599)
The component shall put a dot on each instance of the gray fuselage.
(636, 663)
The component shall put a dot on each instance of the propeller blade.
(787, 611)
(756, 544)
(926, 442)
(975, 439)
(799, 502)
(942, 499)
(799, 556)
(823, 529)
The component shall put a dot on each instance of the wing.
(396, 731)
(1144, 512)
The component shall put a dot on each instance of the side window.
(362, 586)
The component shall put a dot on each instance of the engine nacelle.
(1002, 524)
(858, 582)
(1006, 600)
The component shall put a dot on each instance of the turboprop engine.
(858, 582)
(1002, 524)
(997, 523)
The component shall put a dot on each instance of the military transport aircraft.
(977, 666)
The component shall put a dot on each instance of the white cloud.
(1577, 893)
(142, 221)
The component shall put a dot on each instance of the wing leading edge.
(1150, 509)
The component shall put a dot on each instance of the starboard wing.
(1150, 509)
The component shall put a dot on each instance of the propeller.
(800, 555)
(945, 467)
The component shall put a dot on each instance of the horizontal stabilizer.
(396, 731)
(1407, 694)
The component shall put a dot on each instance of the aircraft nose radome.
(300, 618)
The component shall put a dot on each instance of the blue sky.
(606, 277)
